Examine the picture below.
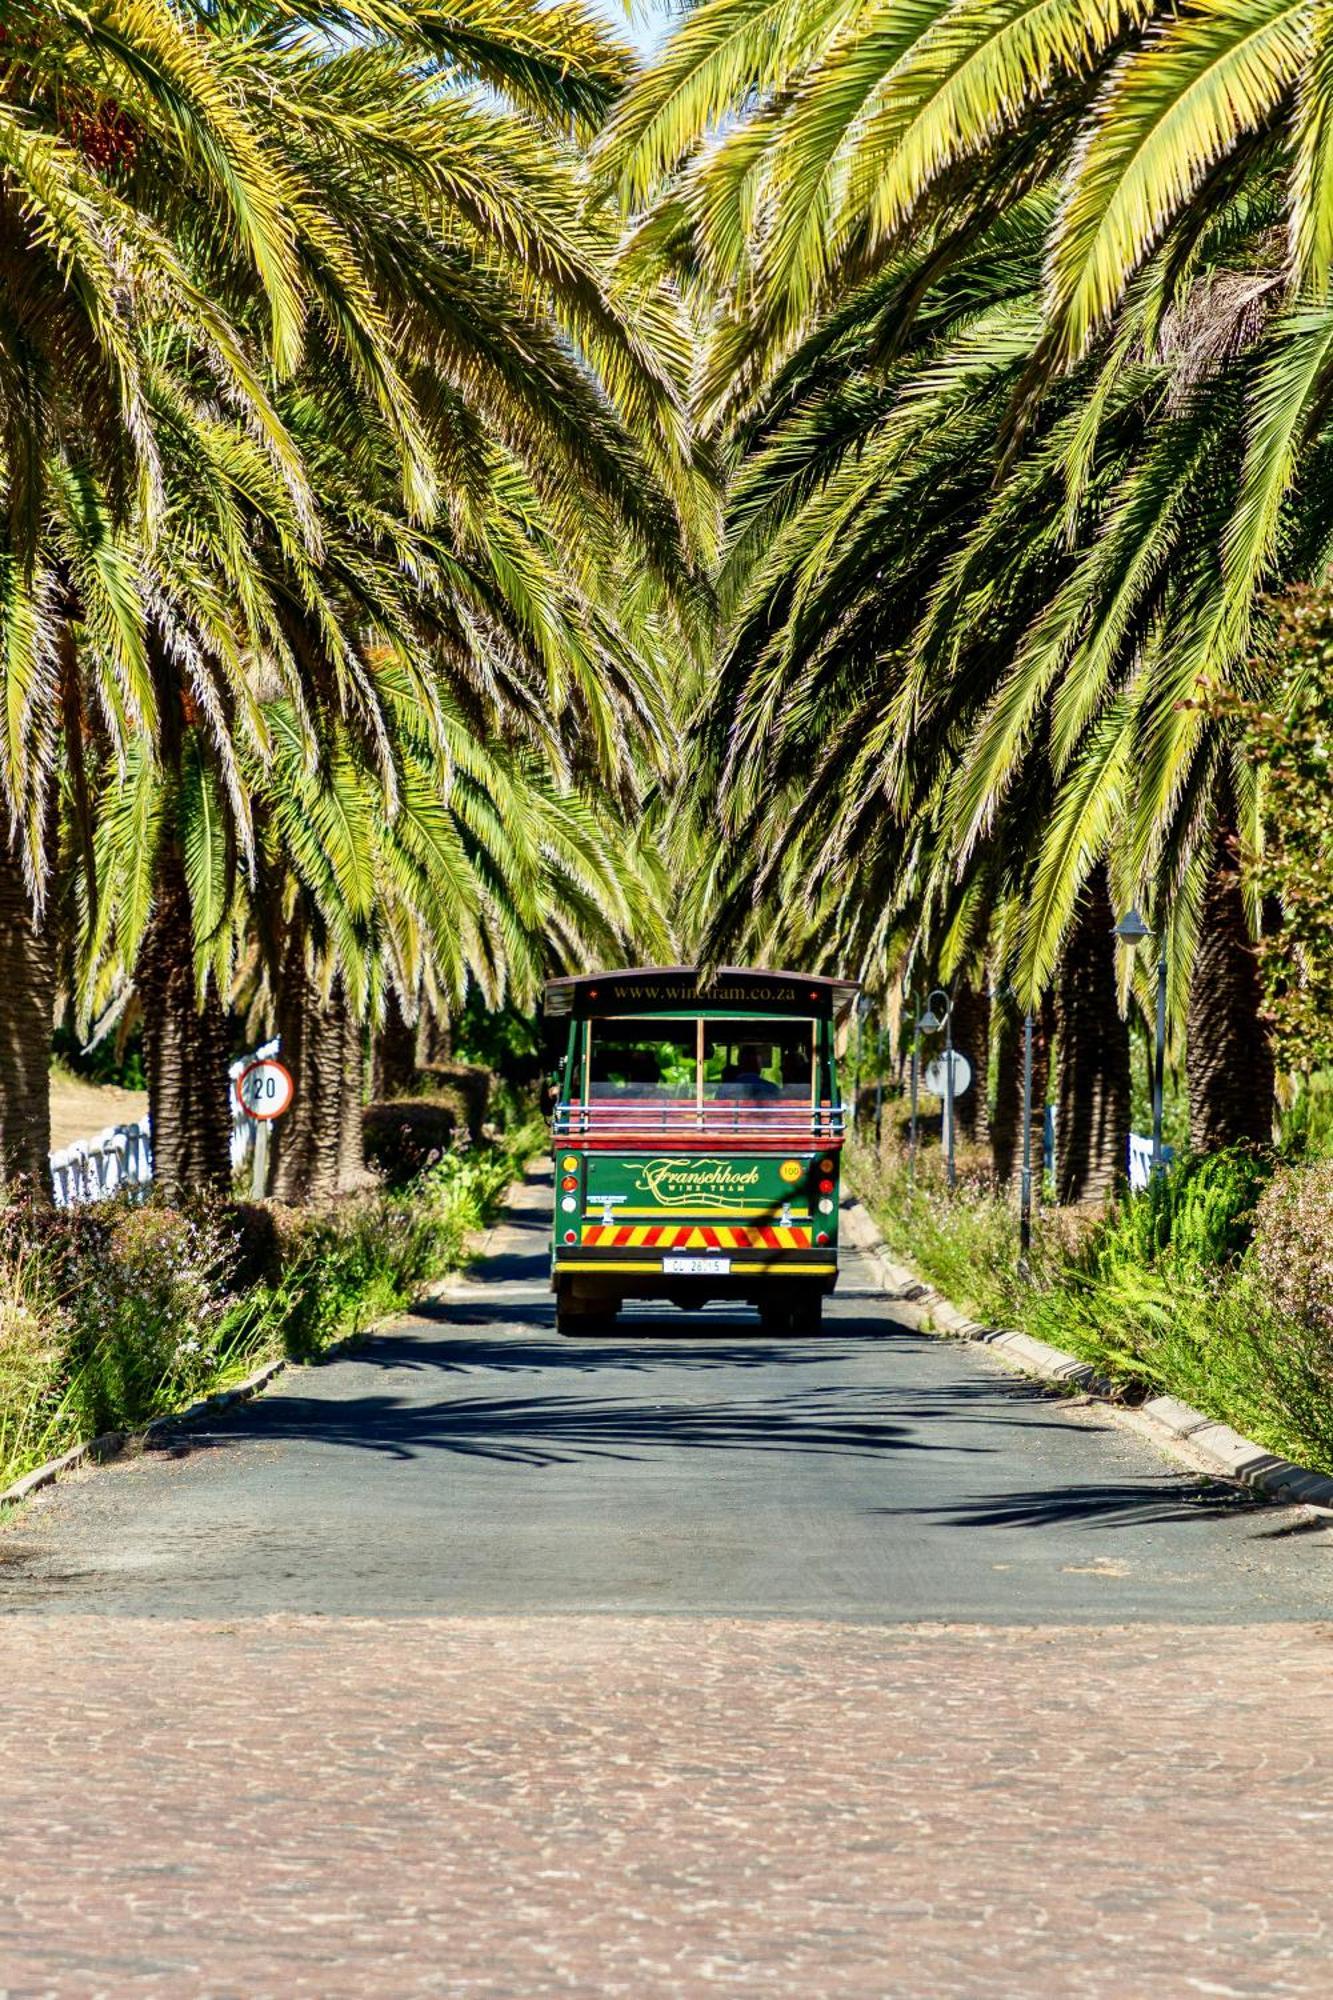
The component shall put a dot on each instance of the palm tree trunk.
(971, 1035)
(352, 1101)
(186, 1047)
(27, 1009)
(319, 1144)
(435, 1038)
(1228, 1057)
(393, 1055)
(1092, 1129)
(1007, 1117)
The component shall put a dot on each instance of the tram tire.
(791, 1312)
(574, 1315)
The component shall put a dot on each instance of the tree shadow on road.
(858, 1420)
(554, 1429)
(1109, 1504)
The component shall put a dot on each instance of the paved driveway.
(678, 1661)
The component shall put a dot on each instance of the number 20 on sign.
(265, 1090)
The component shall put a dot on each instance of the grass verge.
(118, 1313)
(1165, 1292)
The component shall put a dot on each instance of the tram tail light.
(570, 1183)
(826, 1187)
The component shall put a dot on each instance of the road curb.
(1221, 1449)
(97, 1450)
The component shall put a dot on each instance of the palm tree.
(404, 265)
(941, 630)
(1092, 1122)
(27, 978)
(833, 176)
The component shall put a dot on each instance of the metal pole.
(879, 1087)
(916, 1068)
(856, 1089)
(259, 1174)
(1025, 1185)
(1159, 1060)
(948, 1096)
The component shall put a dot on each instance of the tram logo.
(696, 1183)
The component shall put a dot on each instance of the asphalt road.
(472, 1461)
(491, 1664)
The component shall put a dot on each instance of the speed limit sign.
(266, 1089)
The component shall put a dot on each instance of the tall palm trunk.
(319, 1144)
(1092, 1127)
(1006, 1110)
(186, 1046)
(1228, 1057)
(971, 1035)
(27, 1005)
(393, 1055)
(1006, 1131)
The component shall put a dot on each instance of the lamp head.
(1131, 929)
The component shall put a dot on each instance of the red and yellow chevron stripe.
(695, 1236)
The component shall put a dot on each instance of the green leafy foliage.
(1294, 1246)
(1291, 739)
(1211, 1289)
(112, 1315)
(1200, 1215)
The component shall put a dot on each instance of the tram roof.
(650, 989)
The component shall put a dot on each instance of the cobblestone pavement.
(636, 1807)
(494, 1666)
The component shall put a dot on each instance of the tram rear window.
(653, 1059)
(751, 1062)
(759, 1062)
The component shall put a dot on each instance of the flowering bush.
(1293, 1245)
(113, 1313)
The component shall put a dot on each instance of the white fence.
(1140, 1160)
(122, 1155)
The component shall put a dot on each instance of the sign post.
(947, 1078)
(264, 1092)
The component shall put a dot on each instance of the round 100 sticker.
(266, 1089)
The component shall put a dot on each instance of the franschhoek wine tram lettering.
(697, 1138)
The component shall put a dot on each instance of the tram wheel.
(575, 1315)
(791, 1312)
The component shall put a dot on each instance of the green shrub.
(1203, 1209)
(1215, 1286)
(1293, 1247)
(112, 1314)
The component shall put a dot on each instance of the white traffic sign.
(936, 1077)
(265, 1090)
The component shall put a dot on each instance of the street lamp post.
(1131, 930)
(948, 1098)
(1159, 1058)
(929, 1022)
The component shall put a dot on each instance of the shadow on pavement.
(553, 1429)
(1135, 1503)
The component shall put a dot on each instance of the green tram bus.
(697, 1138)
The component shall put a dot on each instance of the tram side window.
(757, 1062)
(640, 1060)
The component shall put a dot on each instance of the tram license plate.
(696, 1267)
